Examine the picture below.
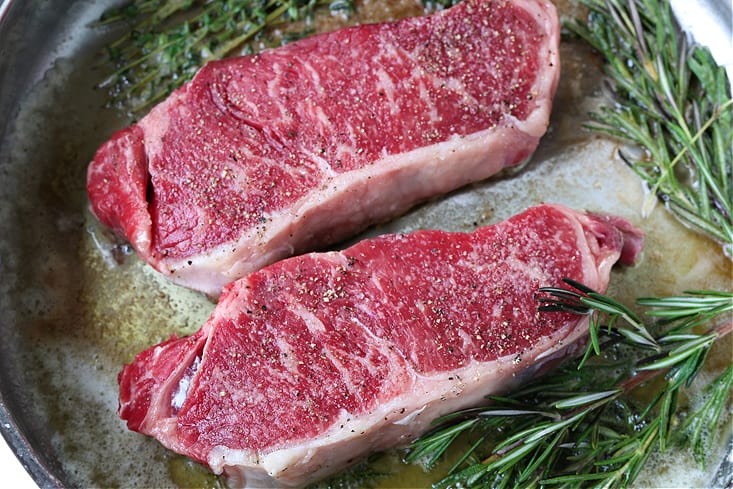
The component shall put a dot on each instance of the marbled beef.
(263, 156)
(315, 361)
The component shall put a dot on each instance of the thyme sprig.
(672, 100)
(171, 39)
(581, 426)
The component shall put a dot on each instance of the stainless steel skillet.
(70, 314)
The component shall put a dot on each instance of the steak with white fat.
(311, 363)
(263, 156)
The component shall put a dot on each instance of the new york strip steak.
(309, 364)
(295, 148)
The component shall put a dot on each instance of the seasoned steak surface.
(263, 156)
(313, 362)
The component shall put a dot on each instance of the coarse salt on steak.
(295, 148)
(309, 364)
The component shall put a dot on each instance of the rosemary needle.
(579, 427)
(672, 100)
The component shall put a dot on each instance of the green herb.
(439, 4)
(364, 475)
(673, 101)
(558, 433)
(171, 39)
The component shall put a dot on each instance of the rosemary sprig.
(581, 426)
(171, 39)
(673, 101)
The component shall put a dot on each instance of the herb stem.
(671, 100)
(171, 39)
(560, 433)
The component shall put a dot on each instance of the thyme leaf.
(167, 41)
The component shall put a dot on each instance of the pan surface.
(75, 304)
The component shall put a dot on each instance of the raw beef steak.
(263, 156)
(312, 362)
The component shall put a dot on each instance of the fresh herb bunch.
(171, 39)
(558, 433)
(672, 100)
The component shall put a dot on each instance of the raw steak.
(263, 156)
(312, 362)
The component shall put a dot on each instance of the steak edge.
(311, 363)
(263, 156)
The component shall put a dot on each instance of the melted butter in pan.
(83, 304)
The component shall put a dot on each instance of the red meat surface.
(295, 148)
(309, 364)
